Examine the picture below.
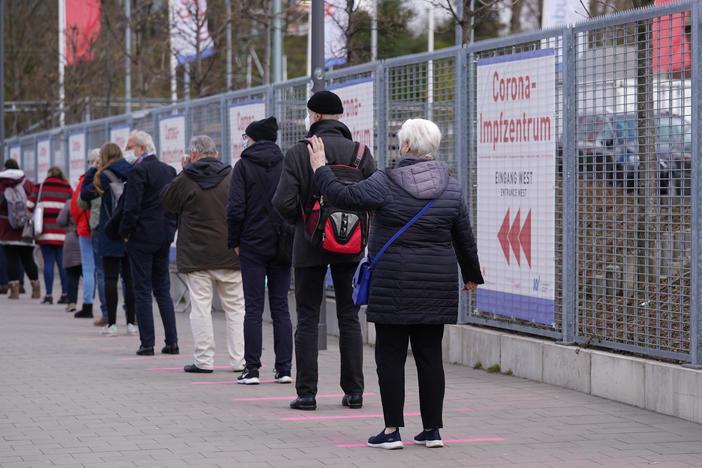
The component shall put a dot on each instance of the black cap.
(325, 102)
(266, 129)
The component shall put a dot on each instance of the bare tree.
(482, 9)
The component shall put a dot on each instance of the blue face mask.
(246, 143)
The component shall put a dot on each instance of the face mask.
(129, 156)
(246, 144)
(308, 124)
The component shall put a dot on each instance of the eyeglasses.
(243, 136)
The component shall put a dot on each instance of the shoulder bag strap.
(41, 188)
(111, 175)
(402, 229)
(264, 199)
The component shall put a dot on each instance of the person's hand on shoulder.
(317, 155)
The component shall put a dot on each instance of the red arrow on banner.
(502, 236)
(514, 236)
(525, 238)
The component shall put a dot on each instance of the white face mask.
(308, 124)
(129, 156)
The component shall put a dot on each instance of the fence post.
(225, 154)
(381, 117)
(569, 160)
(155, 132)
(463, 137)
(696, 196)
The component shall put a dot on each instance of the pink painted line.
(309, 418)
(180, 368)
(146, 358)
(487, 439)
(291, 397)
(230, 382)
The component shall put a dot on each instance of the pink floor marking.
(292, 397)
(180, 368)
(146, 358)
(228, 382)
(309, 418)
(487, 439)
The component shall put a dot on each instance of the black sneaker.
(354, 401)
(431, 439)
(282, 377)
(198, 370)
(170, 349)
(386, 441)
(63, 299)
(47, 300)
(304, 403)
(145, 351)
(248, 377)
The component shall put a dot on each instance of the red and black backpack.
(334, 229)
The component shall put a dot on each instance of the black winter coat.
(145, 219)
(296, 188)
(415, 281)
(249, 226)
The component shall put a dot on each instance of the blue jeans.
(100, 276)
(150, 273)
(87, 260)
(53, 254)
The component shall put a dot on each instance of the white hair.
(203, 145)
(141, 138)
(423, 137)
(93, 154)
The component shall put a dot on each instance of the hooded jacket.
(297, 188)
(198, 195)
(248, 222)
(12, 178)
(121, 168)
(80, 216)
(416, 280)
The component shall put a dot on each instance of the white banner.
(16, 153)
(241, 114)
(557, 13)
(357, 99)
(171, 132)
(516, 104)
(189, 31)
(119, 135)
(336, 21)
(76, 157)
(43, 158)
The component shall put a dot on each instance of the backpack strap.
(111, 175)
(359, 149)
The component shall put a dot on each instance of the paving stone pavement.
(69, 397)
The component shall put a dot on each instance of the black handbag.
(284, 232)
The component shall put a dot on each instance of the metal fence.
(627, 198)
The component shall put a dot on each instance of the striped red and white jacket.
(54, 193)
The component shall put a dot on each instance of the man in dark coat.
(252, 227)
(148, 228)
(294, 196)
(199, 196)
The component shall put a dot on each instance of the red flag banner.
(82, 29)
(671, 48)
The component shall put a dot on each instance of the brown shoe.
(4, 289)
(14, 290)
(36, 290)
(100, 322)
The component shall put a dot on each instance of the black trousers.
(112, 265)
(73, 280)
(16, 254)
(309, 292)
(390, 356)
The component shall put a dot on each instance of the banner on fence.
(43, 157)
(357, 99)
(171, 132)
(16, 153)
(28, 164)
(76, 157)
(119, 134)
(241, 114)
(516, 167)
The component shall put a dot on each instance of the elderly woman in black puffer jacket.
(414, 289)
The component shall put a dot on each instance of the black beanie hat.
(266, 129)
(325, 102)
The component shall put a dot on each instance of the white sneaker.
(109, 330)
(132, 329)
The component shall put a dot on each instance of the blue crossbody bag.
(362, 277)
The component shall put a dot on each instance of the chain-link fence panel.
(95, 136)
(144, 122)
(58, 152)
(28, 161)
(290, 108)
(634, 147)
(206, 119)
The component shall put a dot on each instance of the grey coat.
(71, 246)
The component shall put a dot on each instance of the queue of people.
(321, 206)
